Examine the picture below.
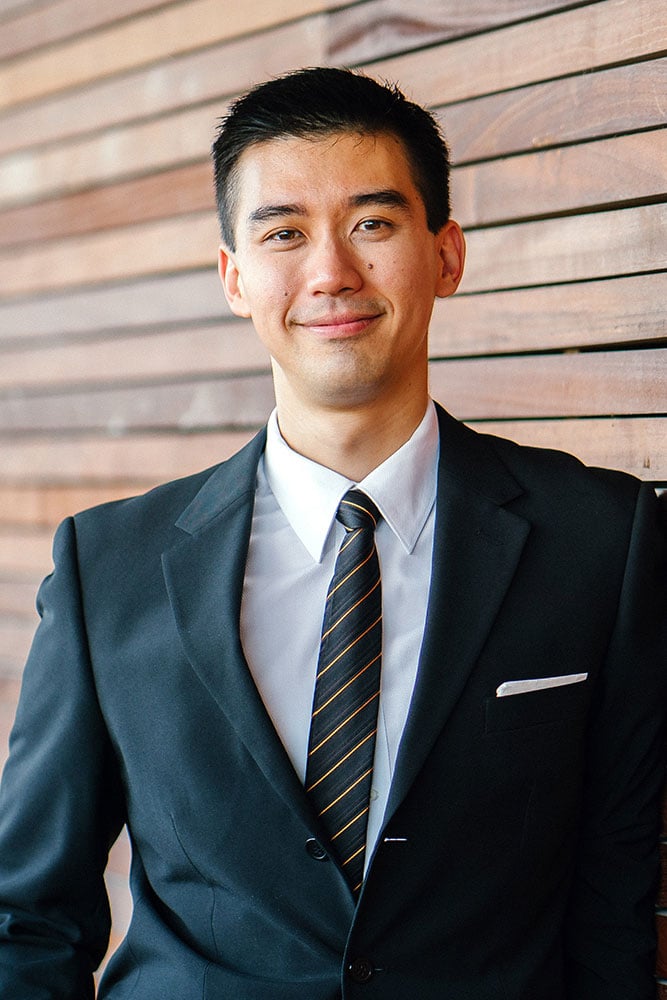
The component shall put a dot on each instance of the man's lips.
(339, 324)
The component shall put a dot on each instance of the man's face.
(336, 267)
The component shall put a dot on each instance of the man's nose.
(333, 267)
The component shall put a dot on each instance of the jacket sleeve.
(610, 926)
(60, 806)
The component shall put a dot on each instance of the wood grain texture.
(212, 74)
(632, 444)
(101, 459)
(578, 247)
(46, 506)
(374, 30)
(221, 349)
(162, 34)
(165, 194)
(43, 25)
(590, 175)
(584, 314)
(554, 385)
(175, 299)
(592, 104)
(586, 38)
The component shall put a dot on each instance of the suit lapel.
(204, 576)
(477, 546)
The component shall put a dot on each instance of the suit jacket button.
(361, 970)
(316, 850)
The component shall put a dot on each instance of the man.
(502, 840)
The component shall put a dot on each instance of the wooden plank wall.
(120, 365)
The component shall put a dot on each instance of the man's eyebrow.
(267, 212)
(385, 196)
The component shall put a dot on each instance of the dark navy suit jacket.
(519, 855)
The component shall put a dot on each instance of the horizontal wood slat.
(173, 299)
(233, 403)
(629, 167)
(17, 599)
(564, 249)
(47, 506)
(88, 459)
(164, 87)
(16, 637)
(161, 34)
(34, 28)
(229, 347)
(375, 29)
(591, 175)
(633, 444)
(596, 104)
(25, 551)
(586, 38)
(531, 386)
(598, 245)
(584, 314)
(161, 195)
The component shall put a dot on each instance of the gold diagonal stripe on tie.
(353, 856)
(351, 573)
(349, 646)
(351, 823)
(357, 781)
(352, 533)
(346, 685)
(350, 753)
(343, 723)
(350, 610)
(358, 506)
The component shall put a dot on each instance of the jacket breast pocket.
(548, 707)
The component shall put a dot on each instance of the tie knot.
(356, 510)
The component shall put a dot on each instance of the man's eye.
(372, 225)
(283, 236)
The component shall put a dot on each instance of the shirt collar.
(403, 487)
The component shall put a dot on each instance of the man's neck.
(351, 442)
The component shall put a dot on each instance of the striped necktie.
(347, 689)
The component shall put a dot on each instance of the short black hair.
(324, 100)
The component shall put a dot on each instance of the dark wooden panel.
(194, 78)
(612, 311)
(661, 963)
(609, 102)
(54, 22)
(633, 444)
(102, 458)
(572, 178)
(384, 27)
(223, 348)
(586, 38)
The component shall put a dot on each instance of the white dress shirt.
(294, 542)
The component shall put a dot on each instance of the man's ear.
(452, 252)
(232, 283)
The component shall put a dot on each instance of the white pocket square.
(537, 684)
